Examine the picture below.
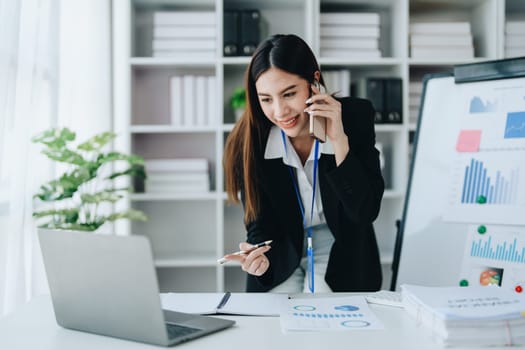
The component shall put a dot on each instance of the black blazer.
(351, 196)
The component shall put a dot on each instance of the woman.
(291, 198)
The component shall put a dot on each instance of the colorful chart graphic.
(515, 126)
(498, 249)
(478, 186)
(488, 186)
(478, 105)
(491, 277)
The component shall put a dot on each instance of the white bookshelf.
(190, 231)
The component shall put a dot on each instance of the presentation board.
(464, 215)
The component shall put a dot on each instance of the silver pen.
(240, 252)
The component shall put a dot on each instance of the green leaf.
(71, 213)
(54, 138)
(137, 171)
(131, 214)
(103, 196)
(97, 142)
(65, 156)
(115, 156)
(65, 186)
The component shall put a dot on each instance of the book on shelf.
(437, 28)
(355, 18)
(184, 32)
(468, 316)
(348, 30)
(515, 40)
(177, 188)
(176, 164)
(442, 52)
(186, 54)
(351, 53)
(514, 52)
(201, 100)
(189, 95)
(176, 100)
(515, 27)
(167, 18)
(441, 40)
(184, 44)
(248, 304)
(415, 87)
(349, 43)
(211, 106)
(178, 177)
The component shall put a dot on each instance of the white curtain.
(55, 70)
(28, 67)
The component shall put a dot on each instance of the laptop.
(107, 284)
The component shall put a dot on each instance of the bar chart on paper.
(494, 255)
(494, 248)
(479, 187)
(487, 185)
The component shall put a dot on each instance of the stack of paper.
(188, 34)
(177, 175)
(441, 40)
(415, 90)
(514, 38)
(468, 316)
(193, 100)
(350, 35)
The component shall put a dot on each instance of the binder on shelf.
(231, 33)
(249, 32)
(372, 89)
(386, 97)
(393, 112)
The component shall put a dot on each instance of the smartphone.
(318, 124)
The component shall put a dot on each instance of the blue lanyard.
(309, 249)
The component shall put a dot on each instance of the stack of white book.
(468, 316)
(515, 38)
(441, 40)
(415, 90)
(350, 35)
(337, 81)
(183, 175)
(189, 34)
(193, 100)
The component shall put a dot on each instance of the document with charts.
(328, 314)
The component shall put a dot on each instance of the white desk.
(34, 327)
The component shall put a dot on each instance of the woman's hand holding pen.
(253, 261)
(326, 106)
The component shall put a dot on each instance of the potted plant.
(238, 102)
(79, 198)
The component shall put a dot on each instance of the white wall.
(85, 67)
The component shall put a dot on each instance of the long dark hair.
(245, 144)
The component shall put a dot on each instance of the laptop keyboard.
(175, 330)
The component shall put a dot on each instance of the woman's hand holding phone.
(317, 124)
(326, 109)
